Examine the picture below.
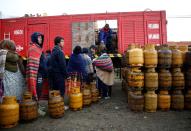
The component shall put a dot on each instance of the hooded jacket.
(34, 54)
(34, 39)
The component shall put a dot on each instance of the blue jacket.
(105, 36)
(42, 66)
(77, 64)
(57, 62)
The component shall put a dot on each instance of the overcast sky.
(179, 29)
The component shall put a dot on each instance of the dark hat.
(93, 47)
(34, 38)
(85, 50)
(77, 50)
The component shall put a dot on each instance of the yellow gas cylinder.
(130, 46)
(150, 56)
(76, 101)
(151, 79)
(9, 112)
(136, 79)
(136, 57)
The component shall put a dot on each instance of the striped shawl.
(104, 62)
(33, 61)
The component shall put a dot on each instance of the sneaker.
(42, 107)
(106, 98)
(41, 113)
(66, 108)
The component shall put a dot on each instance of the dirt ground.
(111, 115)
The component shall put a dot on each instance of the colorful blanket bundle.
(104, 62)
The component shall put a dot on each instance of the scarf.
(106, 29)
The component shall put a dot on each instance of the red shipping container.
(133, 27)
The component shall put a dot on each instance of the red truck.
(132, 27)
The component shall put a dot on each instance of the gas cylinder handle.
(28, 97)
(52, 94)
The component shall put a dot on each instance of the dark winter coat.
(77, 64)
(58, 62)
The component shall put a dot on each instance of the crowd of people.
(48, 70)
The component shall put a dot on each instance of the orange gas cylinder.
(165, 79)
(136, 101)
(150, 101)
(55, 104)
(177, 79)
(164, 101)
(87, 98)
(164, 57)
(188, 79)
(177, 100)
(187, 100)
(94, 92)
(183, 49)
(28, 108)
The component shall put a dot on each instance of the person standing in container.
(105, 37)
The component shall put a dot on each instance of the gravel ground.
(111, 115)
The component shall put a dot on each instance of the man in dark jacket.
(58, 66)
